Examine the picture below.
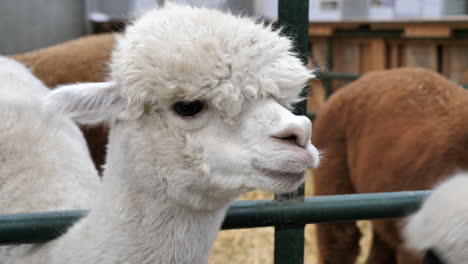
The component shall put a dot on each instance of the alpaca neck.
(132, 225)
(160, 231)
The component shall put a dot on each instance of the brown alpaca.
(394, 130)
(80, 60)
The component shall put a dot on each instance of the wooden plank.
(365, 58)
(334, 25)
(363, 54)
(420, 55)
(346, 58)
(394, 55)
(455, 62)
(386, 26)
(427, 31)
(433, 41)
(336, 51)
(320, 30)
(455, 22)
(318, 53)
(316, 96)
(372, 55)
(377, 49)
(395, 25)
(318, 60)
(447, 61)
(401, 55)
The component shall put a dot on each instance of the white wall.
(30, 24)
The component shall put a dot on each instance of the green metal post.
(293, 16)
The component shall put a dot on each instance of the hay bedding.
(256, 245)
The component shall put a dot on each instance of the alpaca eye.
(188, 108)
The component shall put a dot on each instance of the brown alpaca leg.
(338, 242)
(381, 252)
(406, 257)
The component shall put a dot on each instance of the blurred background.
(28, 25)
(347, 38)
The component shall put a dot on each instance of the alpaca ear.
(85, 103)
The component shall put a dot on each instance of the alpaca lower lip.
(286, 175)
(296, 157)
(282, 174)
(279, 171)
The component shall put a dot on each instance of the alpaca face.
(204, 160)
(267, 148)
(199, 105)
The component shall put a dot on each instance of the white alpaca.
(36, 143)
(441, 224)
(44, 159)
(197, 103)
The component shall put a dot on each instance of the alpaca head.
(198, 103)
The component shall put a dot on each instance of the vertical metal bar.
(160, 2)
(293, 16)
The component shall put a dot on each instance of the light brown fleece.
(393, 130)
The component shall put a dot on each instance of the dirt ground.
(256, 245)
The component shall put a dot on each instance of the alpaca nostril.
(292, 138)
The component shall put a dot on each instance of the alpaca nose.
(297, 130)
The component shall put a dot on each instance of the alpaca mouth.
(289, 177)
(280, 174)
(283, 174)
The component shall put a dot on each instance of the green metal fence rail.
(323, 75)
(45, 226)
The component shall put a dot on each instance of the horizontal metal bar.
(318, 209)
(36, 227)
(337, 76)
(459, 34)
(42, 227)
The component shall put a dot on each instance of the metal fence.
(289, 218)
(287, 213)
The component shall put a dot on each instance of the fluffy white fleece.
(44, 160)
(442, 222)
(168, 55)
